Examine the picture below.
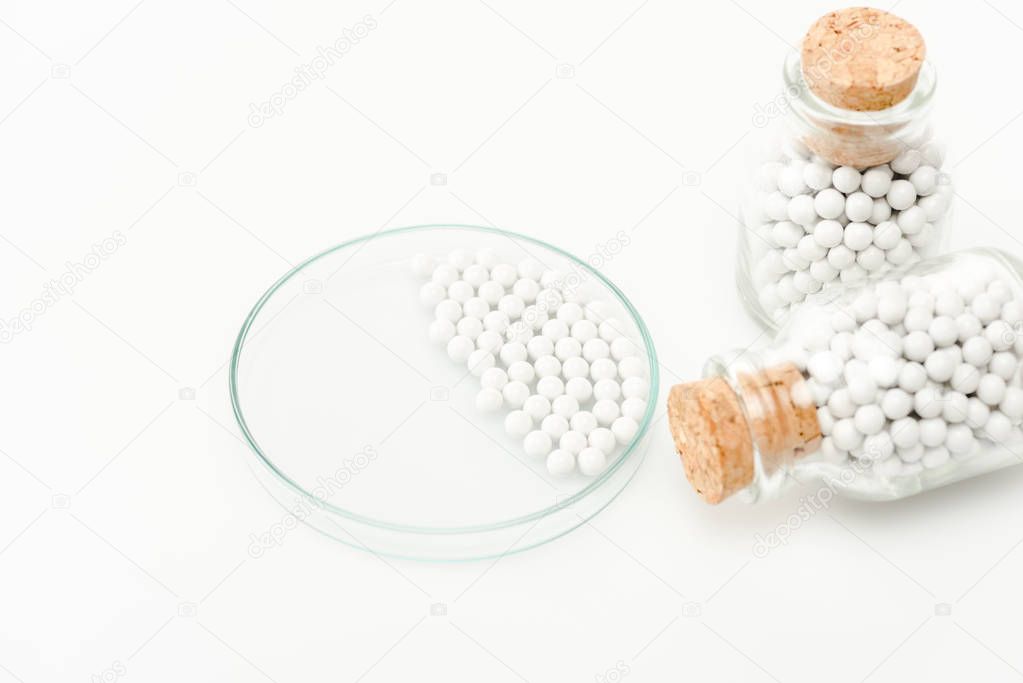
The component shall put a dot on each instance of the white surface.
(127, 504)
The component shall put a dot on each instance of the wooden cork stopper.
(862, 59)
(715, 429)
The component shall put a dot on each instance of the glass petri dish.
(368, 432)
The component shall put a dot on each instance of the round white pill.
(537, 443)
(845, 435)
(977, 351)
(846, 179)
(573, 442)
(441, 331)
(878, 446)
(567, 348)
(940, 365)
(876, 182)
(518, 423)
(432, 294)
(859, 206)
(927, 402)
(790, 180)
(493, 378)
(884, 370)
(521, 371)
(475, 275)
(817, 176)
(901, 195)
(547, 366)
(539, 347)
(486, 257)
(491, 341)
(570, 313)
(603, 368)
(423, 265)
(511, 305)
(607, 389)
(504, 274)
(956, 407)
(1011, 404)
(907, 162)
(537, 407)
(444, 274)
(869, 419)
(998, 427)
(579, 388)
(825, 367)
(631, 366)
(841, 404)
(623, 347)
(624, 429)
(828, 233)
(583, 422)
(1000, 334)
(460, 291)
(479, 361)
(526, 290)
(634, 408)
(470, 327)
(515, 393)
(560, 462)
(565, 406)
(606, 411)
(461, 258)
(448, 310)
(924, 180)
(550, 386)
(858, 236)
(459, 348)
(905, 433)
(584, 330)
(554, 426)
(896, 404)
(802, 210)
(828, 203)
(604, 439)
(530, 268)
(933, 432)
(917, 346)
(1003, 364)
(488, 400)
(635, 387)
(592, 461)
(496, 321)
(959, 439)
(575, 367)
(991, 389)
(596, 348)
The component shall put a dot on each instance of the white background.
(127, 505)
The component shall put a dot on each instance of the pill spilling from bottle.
(567, 371)
(893, 387)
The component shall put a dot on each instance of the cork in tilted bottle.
(863, 60)
(718, 429)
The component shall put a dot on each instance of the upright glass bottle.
(881, 390)
(845, 178)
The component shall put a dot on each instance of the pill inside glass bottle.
(888, 388)
(845, 176)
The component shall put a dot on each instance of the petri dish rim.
(579, 495)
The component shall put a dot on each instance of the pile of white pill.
(916, 372)
(574, 384)
(816, 223)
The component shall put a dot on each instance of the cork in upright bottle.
(863, 60)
